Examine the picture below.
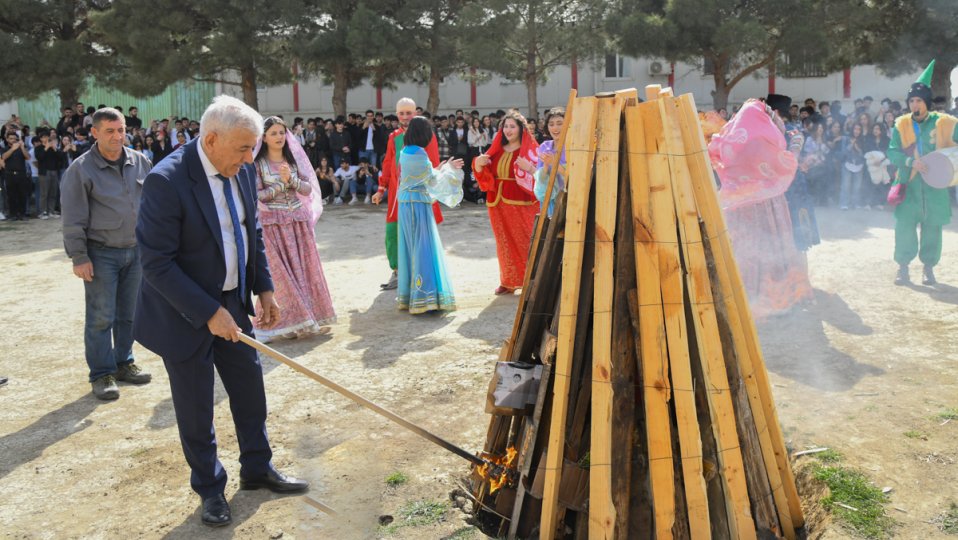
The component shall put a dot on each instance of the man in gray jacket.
(99, 199)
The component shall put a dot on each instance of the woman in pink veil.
(290, 202)
(755, 168)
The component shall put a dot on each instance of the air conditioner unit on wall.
(657, 67)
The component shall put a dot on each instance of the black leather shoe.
(275, 481)
(216, 511)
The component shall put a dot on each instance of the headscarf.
(750, 157)
(304, 168)
(528, 149)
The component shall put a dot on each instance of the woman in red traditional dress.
(505, 172)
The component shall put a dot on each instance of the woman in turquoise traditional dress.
(424, 283)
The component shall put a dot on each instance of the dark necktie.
(237, 233)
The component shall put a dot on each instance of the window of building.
(615, 66)
(799, 64)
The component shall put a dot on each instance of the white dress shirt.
(369, 137)
(226, 222)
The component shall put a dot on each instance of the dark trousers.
(191, 382)
(19, 186)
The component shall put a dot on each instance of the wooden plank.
(731, 466)
(673, 300)
(654, 363)
(543, 287)
(760, 491)
(744, 334)
(527, 448)
(652, 92)
(580, 155)
(641, 518)
(537, 235)
(623, 354)
(602, 513)
(714, 485)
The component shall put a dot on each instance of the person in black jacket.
(50, 160)
(17, 182)
(340, 142)
(161, 147)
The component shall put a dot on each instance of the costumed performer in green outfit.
(916, 135)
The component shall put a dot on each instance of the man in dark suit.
(203, 256)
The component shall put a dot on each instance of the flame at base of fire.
(505, 462)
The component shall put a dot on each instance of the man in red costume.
(389, 180)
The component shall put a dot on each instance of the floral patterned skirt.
(298, 280)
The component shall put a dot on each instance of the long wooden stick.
(319, 506)
(646, 301)
(540, 226)
(703, 320)
(579, 186)
(280, 357)
(602, 513)
(743, 327)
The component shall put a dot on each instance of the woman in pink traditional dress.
(290, 202)
(755, 168)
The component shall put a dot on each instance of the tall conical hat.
(925, 77)
(921, 88)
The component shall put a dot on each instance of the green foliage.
(829, 456)
(738, 38)
(246, 44)
(922, 30)
(524, 40)
(852, 488)
(416, 514)
(948, 522)
(916, 434)
(47, 45)
(397, 478)
(950, 413)
(465, 533)
(350, 40)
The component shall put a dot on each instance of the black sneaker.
(928, 277)
(105, 388)
(902, 278)
(132, 373)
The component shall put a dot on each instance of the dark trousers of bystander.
(18, 188)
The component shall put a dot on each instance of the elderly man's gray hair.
(227, 113)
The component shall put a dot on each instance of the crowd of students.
(347, 151)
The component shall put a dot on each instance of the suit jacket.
(181, 251)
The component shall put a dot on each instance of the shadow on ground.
(812, 360)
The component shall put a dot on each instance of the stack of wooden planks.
(654, 416)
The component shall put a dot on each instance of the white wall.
(315, 98)
(7, 109)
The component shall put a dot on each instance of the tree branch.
(754, 67)
(216, 80)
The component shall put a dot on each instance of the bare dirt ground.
(859, 368)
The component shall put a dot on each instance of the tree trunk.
(941, 83)
(532, 82)
(68, 97)
(432, 104)
(340, 86)
(532, 88)
(722, 90)
(248, 83)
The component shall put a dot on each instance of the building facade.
(311, 97)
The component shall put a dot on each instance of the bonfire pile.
(653, 416)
